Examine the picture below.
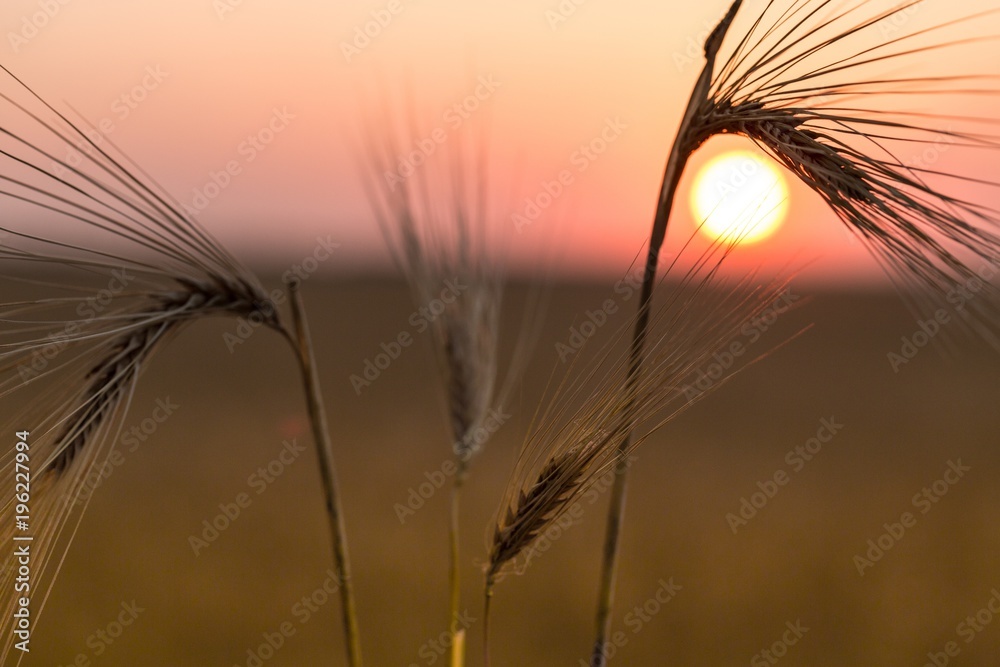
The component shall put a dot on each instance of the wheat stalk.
(782, 93)
(436, 225)
(436, 245)
(169, 273)
(588, 427)
(328, 473)
(432, 252)
(771, 89)
(83, 424)
(111, 376)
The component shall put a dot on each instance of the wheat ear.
(603, 410)
(779, 88)
(435, 224)
(168, 272)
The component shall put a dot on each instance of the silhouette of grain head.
(816, 85)
(123, 267)
(110, 379)
(560, 479)
(583, 430)
(116, 226)
(470, 343)
(462, 291)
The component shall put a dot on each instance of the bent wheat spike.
(170, 273)
(110, 379)
(607, 407)
(786, 81)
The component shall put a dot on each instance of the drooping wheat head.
(821, 86)
(806, 80)
(581, 432)
(82, 217)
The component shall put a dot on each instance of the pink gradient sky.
(227, 72)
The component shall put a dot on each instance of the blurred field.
(792, 562)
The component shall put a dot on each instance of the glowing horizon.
(255, 120)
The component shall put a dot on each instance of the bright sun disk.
(741, 196)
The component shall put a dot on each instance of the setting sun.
(740, 195)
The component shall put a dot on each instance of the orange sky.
(211, 73)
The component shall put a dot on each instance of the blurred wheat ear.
(435, 220)
(787, 83)
(121, 267)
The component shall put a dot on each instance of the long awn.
(805, 80)
(82, 217)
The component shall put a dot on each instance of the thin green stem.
(328, 474)
(680, 152)
(454, 571)
(486, 620)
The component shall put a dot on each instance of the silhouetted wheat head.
(818, 86)
(812, 83)
(581, 433)
(123, 267)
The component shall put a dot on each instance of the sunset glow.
(191, 114)
(740, 195)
